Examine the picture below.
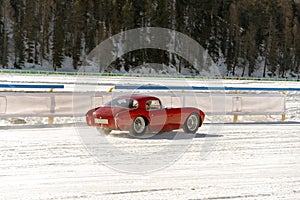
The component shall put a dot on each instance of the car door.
(157, 115)
(174, 118)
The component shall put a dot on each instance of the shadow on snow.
(171, 135)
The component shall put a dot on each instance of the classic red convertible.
(140, 113)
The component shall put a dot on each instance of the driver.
(148, 105)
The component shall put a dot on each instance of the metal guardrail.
(31, 86)
(202, 88)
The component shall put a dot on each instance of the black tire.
(192, 123)
(138, 126)
(103, 131)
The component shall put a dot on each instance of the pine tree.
(243, 31)
(297, 38)
(59, 34)
(233, 41)
(4, 40)
(19, 35)
(127, 16)
(45, 35)
(285, 48)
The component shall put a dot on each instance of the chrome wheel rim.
(139, 125)
(192, 122)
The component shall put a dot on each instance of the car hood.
(108, 111)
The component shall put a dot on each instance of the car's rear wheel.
(103, 131)
(139, 126)
(192, 123)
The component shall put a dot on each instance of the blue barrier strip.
(26, 86)
(152, 87)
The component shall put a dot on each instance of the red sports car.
(140, 113)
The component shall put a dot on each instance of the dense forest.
(242, 35)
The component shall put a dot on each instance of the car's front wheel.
(103, 131)
(192, 123)
(139, 126)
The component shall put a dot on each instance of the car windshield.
(123, 102)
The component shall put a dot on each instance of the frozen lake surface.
(240, 161)
(245, 162)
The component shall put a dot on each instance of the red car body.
(133, 113)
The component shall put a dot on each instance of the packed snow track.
(250, 161)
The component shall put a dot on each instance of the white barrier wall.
(77, 104)
(221, 104)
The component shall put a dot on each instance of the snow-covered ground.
(104, 82)
(245, 162)
(231, 161)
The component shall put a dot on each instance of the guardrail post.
(50, 120)
(111, 89)
(235, 117)
(52, 108)
(283, 116)
(183, 99)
